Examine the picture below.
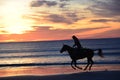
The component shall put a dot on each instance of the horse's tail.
(100, 53)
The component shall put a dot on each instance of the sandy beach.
(98, 72)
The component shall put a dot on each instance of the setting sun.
(12, 13)
(17, 29)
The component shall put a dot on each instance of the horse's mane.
(68, 46)
(76, 48)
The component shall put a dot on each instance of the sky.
(39, 20)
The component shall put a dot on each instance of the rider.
(77, 43)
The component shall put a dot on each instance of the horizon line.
(54, 40)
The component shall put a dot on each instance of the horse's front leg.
(88, 62)
(91, 63)
(72, 65)
(75, 63)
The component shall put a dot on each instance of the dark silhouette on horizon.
(76, 42)
(76, 54)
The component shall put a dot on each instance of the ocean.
(47, 53)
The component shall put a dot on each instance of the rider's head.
(73, 36)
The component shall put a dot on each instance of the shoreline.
(97, 75)
(111, 71)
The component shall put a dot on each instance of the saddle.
(81, 50)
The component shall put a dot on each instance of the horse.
(76, 54)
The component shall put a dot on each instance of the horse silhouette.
(76, 54)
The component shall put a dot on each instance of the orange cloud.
(45, 33)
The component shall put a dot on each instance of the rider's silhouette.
(77, 43)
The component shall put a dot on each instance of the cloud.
(67, 18)
(39, 3)
(61, 3)
(117, 31)
(46, 33)
(105, 20)
(49, 30)
(58, 19)
(110, 8)
(2, 31)
(42, 33)
(109, 34)
(62, 13)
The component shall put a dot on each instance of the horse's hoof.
(74, 68)
(84, 69)
(80, 68)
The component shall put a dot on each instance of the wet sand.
(98, 72)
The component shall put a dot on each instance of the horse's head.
(63, 49)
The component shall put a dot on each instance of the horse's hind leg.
(91, 63)
(72, 64)
(76, 65)
(88, 62)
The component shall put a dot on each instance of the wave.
(32, 50)
(32, 56)
(46, 50)
(51, 55)
(50, 64)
